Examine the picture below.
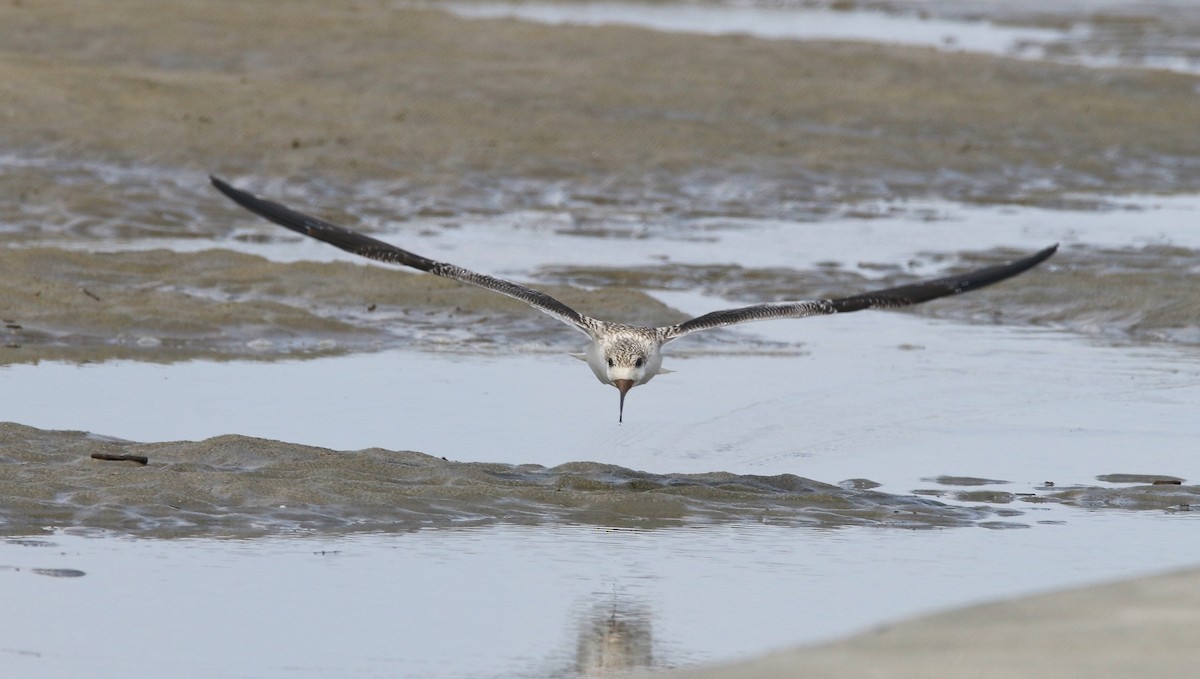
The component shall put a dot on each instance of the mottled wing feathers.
(940, 287)
(904, 295)
(357, 243)
(366, 246)
(748, 314)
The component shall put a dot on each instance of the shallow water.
(776, 22)
(1121, 34)
(894, 398)
(898, 402)
(523, 601)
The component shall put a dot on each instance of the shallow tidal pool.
(522, 601)
(976, 417)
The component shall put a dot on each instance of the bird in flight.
(626, 356)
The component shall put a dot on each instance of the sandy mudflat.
(360, 90)
(238, 485)
(160, 305)
(1149, 627)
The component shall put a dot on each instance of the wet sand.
(243, 486)
(160, 305)
(354, 91)
(1144, 627)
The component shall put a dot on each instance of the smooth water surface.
(889, 397)
(775, 22)
(1110, 37)
(545, 601)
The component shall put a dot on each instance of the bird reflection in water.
(614, 638)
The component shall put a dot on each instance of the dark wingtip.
(1041, 256)
(223, 186)
(226, 188)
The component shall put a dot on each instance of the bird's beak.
(622, 386)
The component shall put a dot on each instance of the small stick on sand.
(140, 459)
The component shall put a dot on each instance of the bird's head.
(628, 362)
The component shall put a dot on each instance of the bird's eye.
(639, 362)
(610, 363)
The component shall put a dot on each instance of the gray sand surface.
(76, 305)
(1149, 627)
(242, 486)
(358, 90)
(239, 485)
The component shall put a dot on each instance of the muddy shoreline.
(352, 91)
(238, 486)
(164, 306)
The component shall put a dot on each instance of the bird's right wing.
(357, 243)
(879, 299)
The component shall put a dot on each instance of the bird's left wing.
(357, 243)
(879, 299)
